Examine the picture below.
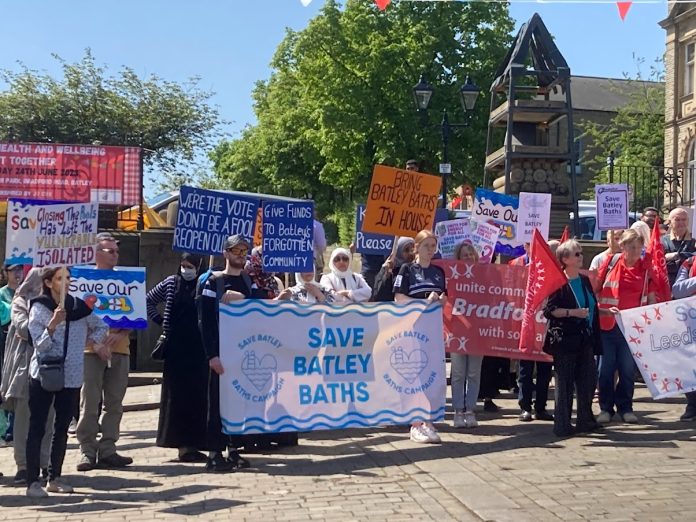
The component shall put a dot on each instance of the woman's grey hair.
(566, 249)
(32, 285)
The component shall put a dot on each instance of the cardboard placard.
(65, 234)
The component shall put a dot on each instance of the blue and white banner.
(117, 296)
(499, 210)
(207, 218)
(291, 367)
(288, 236)
(662, 340)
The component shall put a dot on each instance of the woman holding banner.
(466, 369)
(347, 286)
(626, 282)
(422, 280)
(306, 291)
(59, 329)
(15, 376)
(182, 417)
(573, 339)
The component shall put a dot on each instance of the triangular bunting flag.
(623, 8)
(306, 2)
(566, 234)
(382, 4)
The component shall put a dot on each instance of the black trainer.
(688, 416)
(86, 463)
(114, 461)
(219, 464)
(21, 477)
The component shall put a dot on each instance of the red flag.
(658, 264)
(566, 234)
(382, 4)
(545, 277)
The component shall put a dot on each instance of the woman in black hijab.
(183, 406)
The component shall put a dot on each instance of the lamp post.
(468, 93)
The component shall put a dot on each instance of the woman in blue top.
(573, 339)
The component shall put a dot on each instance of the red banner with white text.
(483, 313)
(74, 173)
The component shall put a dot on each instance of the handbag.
(159, 350)
(52, 369)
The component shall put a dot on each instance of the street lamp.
(468, 93)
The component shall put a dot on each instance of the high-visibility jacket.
(610, 274)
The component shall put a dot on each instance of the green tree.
(173, 122)
(339, 99)
(635, 137)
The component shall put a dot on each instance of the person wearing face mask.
(347, 286)
(384, 282)
(183, 406)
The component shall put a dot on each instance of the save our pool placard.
(288, 236)
(355, 366)
(117, 296)
(401, 202)
(206, 218)
(65, 234)
(499, 210)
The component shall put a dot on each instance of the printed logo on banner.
(206, 218)
(288, 236)
(258, 372)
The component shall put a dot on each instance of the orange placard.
(401, 202)
(258, 229)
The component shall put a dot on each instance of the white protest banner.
(534, 212)
(21, 230)
(662, 339)
(117, 296)
(65, 234)
(450, 234)
(355, 366)
(484, 237)
(612, 206)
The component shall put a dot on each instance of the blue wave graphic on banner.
(119, 276)
(357, 415)
(124, 322)
(354, 423)
(277, 310)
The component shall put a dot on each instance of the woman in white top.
(347, 287)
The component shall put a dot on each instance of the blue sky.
(229, 43)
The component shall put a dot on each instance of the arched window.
(688, 191)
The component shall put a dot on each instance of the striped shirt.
(164, 292)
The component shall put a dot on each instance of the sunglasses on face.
(236, 251)
(340, 259)
(109, 250)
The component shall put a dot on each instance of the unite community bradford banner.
(54, 171)
(662, 339)
(359, 365)
(483, 313)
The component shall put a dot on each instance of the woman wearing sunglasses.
(573, 339)
(421, 280)
(346, 286)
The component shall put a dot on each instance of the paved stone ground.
(501, 471)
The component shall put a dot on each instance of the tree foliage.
(339, 99)
(172, 121)
(635, 136)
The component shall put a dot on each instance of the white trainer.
(418, 434)
(58, 485)
(470, 419)
(36, 491)
(460, 419)
(431, 432)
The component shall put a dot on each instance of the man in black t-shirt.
(237, 286)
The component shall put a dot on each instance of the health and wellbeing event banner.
(54, 171)
(662, 340)
(359, 365)
(117, 296)
(483, 313)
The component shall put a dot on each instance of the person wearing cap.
(106, 380)
(237, 285)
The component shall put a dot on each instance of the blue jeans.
(527, 386)
(466, 381)
(616, 357)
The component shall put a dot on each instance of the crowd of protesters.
(40, 326)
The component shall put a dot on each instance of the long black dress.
(183, 406)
